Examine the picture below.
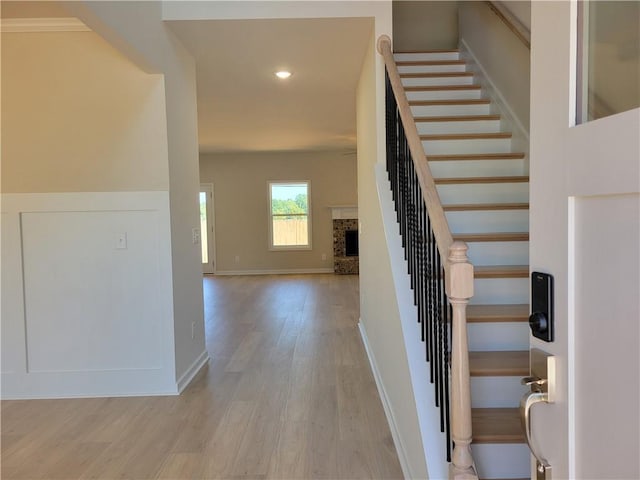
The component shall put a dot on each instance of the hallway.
(288, 393)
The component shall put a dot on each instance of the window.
(609, 58)
(290, 218)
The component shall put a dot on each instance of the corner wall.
(137, 30)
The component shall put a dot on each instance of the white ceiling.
(242, 106)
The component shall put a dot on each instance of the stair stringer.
(434, 441)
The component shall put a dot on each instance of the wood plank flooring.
(288, 394)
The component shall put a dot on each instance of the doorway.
(207, 228)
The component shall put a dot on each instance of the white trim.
(346, 212)
(184, 381)
(32, 25)
(571, 337)
(397, 439)
(288, 271)
(280, 248)
(490, 87)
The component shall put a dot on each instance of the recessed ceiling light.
(282, 74)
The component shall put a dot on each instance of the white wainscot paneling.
(87, 306)
(88, 279)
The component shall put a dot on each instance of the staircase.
(483, 187)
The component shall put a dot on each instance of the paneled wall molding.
(87, 300)
(26, 25)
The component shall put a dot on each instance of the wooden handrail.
(458, 274)
(515, 25)
(439, 223)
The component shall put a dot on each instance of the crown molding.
(22, 25)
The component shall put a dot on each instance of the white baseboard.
(397, 440)
(289, 271)
(492, 90)
(192, 371)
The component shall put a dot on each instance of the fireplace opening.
(351, 243)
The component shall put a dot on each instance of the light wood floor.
(288, 393)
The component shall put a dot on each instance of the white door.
(585, 217)
(207, 228)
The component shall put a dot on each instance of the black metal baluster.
(436, 327)
(446, 318)
(442, 346)
(424, 265)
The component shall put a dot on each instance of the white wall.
(84, 162)
(425, 25)
(240, 183)
(504, 58)
(521, 9)
(79, 117)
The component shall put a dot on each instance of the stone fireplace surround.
(344, 218)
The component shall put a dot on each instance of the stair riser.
(453, 147)
(499, 253)
(426, 57)
(484, 193)
(476, 126)
(444, 95)
(496, 392)
(502, 460)
(478, 168)
(435, 81)
(431, 68)
(500, 291)
(487, 337)
(492, 460)
(449, 110)
(488, 221)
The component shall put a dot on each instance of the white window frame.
(270, 216)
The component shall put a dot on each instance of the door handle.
(543, 469)
(542, 390)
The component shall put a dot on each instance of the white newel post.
(459, 287)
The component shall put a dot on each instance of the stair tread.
(496, 425)
(462, 207)
(494, 364)
(428, 63)
(492, 237)
(498, 313)
(501, 271)
(457, 118)
(431, 88)
(477, 156)
(464, 180)
(468, 101)
(465, 136)
(436, 74)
